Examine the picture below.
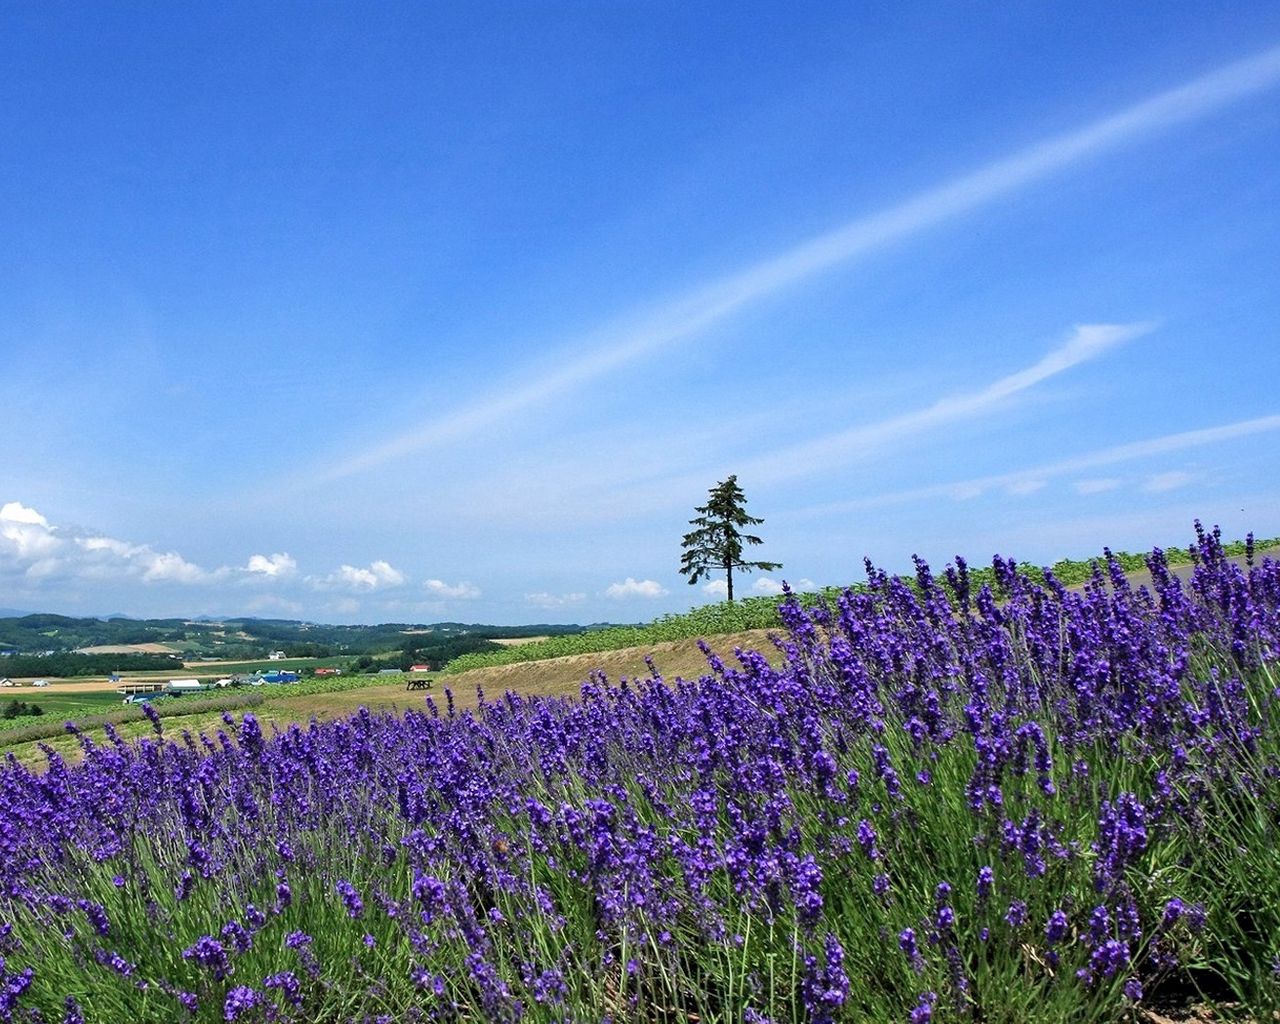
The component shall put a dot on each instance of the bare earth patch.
(129, 649)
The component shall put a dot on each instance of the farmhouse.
(129, 689)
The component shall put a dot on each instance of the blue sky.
(390, 313)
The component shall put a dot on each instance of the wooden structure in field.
(138, 686)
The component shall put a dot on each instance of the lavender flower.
(350, 899)
(240, 1000)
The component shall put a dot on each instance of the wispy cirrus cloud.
(549, 601)
(1083, 343)
(1096, 485)
(814, 456)
(1135, 450)
(1169, 480)
(707, 305)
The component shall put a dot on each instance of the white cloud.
(636, 588)
(378, 575)
(25, 535)
(1022, 488)
(32, 546)
(108, 556)
(716, 588)
(272, 566)
(768, 585)
(464, 591)
(1159, 482)
(705, 306)
(169, 567)
(542, 599)
(1083, 343)
(1096, 485)
(119, 548)
(1091, 460)
(16, 512)
(966, 490)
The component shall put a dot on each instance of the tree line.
(70, 665)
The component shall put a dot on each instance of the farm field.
(285, 705)
(130, 649)
(930, 806)
(263, 664)
(82, 701)
(545, 675)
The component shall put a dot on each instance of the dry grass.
(130, 649)
(559, 677)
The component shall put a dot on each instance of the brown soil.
(129, 649)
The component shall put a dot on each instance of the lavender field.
(1033, 804)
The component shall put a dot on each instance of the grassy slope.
(561, 677)
(541, 674)
(760, 613)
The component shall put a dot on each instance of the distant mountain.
(235, 637)
(13, 613)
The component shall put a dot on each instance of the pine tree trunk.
(728, 571)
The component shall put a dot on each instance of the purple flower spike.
(350, 899)
(240, 1000)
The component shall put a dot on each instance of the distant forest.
(46, 637)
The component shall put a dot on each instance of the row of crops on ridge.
(943, 804)
(762, 612)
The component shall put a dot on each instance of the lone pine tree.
(717, 540)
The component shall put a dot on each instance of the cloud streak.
(545, 599)
(1165, 445)
(703, 307)
(1086, 342)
